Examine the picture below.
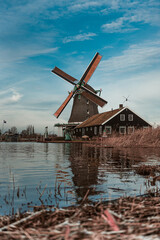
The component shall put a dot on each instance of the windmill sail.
(91, 68)
(81, 85)
(93, 97)
(64, 104)
(64, 75)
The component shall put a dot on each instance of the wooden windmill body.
(85, 102)
(82, 108)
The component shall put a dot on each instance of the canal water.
(60, 174)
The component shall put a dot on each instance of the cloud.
(9, 96)
(15, 96)
(10, 55)
(81, 5)
(79, 37)
(142, 13)
(138, 56)
(120, 25)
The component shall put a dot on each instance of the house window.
(100, 130)
(83, 131)
(130, 117)
(91, 128)
(108, 129)
(77, 130)
(95, 130)
(122, 130)
(130, 130)
(80, 129)
(87, 129)
(122, 117)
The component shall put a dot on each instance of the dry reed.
(140, 138)
(126, 218)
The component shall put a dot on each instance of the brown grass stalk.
(140, 138)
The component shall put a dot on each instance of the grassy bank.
(140, 138)
(123, 219)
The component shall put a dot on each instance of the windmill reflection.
(84, 167)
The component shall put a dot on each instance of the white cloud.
(9, 96)
(133, 14)
(10, 55)
(79, 37)
(136, 57)
(81, 5)
(15, 96)
(120, 25)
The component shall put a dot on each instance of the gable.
(137, 120)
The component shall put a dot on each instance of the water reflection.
(84, 164)
(66, 171)
(108, 171)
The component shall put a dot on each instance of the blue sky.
(36, 35)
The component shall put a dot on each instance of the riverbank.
(123, 219)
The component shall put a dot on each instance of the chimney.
(120, 106)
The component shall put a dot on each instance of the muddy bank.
(125, 218)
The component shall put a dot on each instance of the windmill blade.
(93, 97)
(64, 104)
(64, 75)
(91, 68)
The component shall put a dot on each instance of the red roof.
(99, 119)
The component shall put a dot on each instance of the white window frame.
(130, 127)
(122, 117)
(108, 129)
(95, 130)
(145, 127)
(122, 127)
(100, 130)
(130, 117)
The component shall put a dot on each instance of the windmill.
(82, 89)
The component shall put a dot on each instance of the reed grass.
(122, 219)
(140, 138)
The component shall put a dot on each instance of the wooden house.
(121, 121)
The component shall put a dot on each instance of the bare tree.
(13, 130)
(30, 130)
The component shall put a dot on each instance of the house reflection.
(90, 165)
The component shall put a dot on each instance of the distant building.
(9, 137)
(121, 121)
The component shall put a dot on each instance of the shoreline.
(123, 218)
(93, 143)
